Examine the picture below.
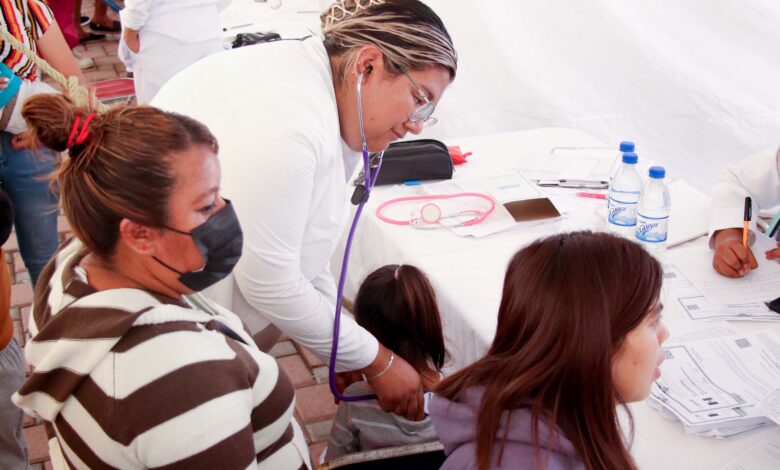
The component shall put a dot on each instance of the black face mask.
(219, 241)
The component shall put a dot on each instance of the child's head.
(578, 333)
(398, 306)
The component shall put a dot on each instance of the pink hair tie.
(79, 135)
(395, 274)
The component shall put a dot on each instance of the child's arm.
(343, 435)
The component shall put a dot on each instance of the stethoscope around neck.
(371, 167)
(430, 214)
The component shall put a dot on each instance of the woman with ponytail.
(131, 367)
(579, 333)
(398, 306)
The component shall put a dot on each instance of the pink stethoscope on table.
(431, 215)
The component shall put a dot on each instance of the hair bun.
(50, 118)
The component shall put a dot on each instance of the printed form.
(718, 382)
(760, 285)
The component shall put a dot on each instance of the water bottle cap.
(657, 172)
(627, 146)
(630, 157)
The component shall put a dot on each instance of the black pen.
(574, 183)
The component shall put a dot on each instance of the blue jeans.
(13, 448)
(24, 175)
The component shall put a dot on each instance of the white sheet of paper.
(690, 213)
(510, 187)
(717, 382)
(762, 456)
(770, 406)
(679, 289)
(559, 166)
(685, 331)
(760, 285)
(500, 219)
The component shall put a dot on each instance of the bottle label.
(622, 208)
(652, 229)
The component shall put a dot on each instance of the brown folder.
(532, 209)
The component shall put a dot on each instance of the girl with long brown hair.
(396, 304)
(579, 333)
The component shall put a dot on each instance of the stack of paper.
(718, 386)
(704, 294)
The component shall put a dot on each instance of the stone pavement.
(314, 407)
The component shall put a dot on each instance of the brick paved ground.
(314, 408)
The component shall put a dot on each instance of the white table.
(468, 273)
(289, 18)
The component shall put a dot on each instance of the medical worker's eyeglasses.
(423, 112)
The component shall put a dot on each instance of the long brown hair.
(122, 170)
(397, 305)
(568, 302)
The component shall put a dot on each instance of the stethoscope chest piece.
(430, 213)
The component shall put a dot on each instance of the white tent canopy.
(696, 84)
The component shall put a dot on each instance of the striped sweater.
(129, 379)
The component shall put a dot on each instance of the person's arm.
(133, 16)
(273, 196)
(135, 13)
(53, 48)
(757, 177)
(51, 44)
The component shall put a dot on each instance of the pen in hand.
(746, 221)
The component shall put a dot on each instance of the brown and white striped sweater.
(129, 379)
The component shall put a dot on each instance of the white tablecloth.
(468, 273)
(289, 18)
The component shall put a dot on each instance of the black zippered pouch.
(415, 160)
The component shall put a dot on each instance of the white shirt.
(273, 109)
(758, 177)
(188, 21)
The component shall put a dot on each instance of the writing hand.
(731, 258)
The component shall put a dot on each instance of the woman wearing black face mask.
(132, 368)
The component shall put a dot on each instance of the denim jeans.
(13, 448)
(24, 176)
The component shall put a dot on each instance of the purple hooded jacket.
(456, 424)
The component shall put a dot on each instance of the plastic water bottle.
(624, 191)
(625, 146)
(652, 225)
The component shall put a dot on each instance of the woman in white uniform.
(758, 177)
(162, 37)
(286, 114)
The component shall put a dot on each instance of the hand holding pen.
(733, 257)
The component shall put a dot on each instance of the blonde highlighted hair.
(409, 34)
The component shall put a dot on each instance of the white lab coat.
(273, 110)
(173, 35)
(758, 177)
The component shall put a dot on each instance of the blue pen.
(411, 183)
